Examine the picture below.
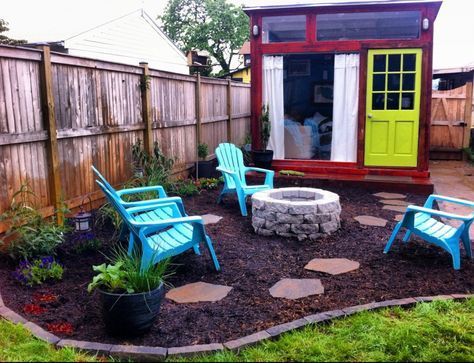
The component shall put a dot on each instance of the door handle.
(369, 115)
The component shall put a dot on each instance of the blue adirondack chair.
(158, 189)
(420, 221)
(161, 230)
(231, 165)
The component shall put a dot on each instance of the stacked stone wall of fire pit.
(303, 213)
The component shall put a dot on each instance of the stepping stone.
(386, 195)
(332, 266)
(398, 217)
(198, 292)
(293, 289)
(211, 218)
(394, 202)
(371, 221)
(395, 208)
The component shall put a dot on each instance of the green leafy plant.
(245, 147)
(30, 235)
(208, 183)
(123, 274)
(183, 188)
(291, 172)
(38, 271)
(265, 126)
(203, 151)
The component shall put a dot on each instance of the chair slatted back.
(230, 157)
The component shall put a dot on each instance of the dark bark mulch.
(251, 264)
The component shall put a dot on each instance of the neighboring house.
(130, 39)
(242, 74)
(306, 63)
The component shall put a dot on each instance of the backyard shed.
(348, 85)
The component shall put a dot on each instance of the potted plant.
(263, 158)
(204, 167)
(131, 298)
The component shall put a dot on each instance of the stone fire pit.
(303, 213)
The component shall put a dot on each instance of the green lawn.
(438, 331)
(17, 345)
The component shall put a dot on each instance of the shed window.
(278, 29)
(368, 25)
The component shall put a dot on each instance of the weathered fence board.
(98, 113)
(450, 120)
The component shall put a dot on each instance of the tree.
(6, 40)
(213, 25)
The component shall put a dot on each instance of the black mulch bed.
(251, 264)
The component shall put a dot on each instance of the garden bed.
(251, 264)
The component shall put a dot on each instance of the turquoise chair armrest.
(157, 203)
(154, 188)
(416, 209)
(158, 225)
(259, 170)
(151, 207)
(232, 174)
(269, 174)
(433, 197)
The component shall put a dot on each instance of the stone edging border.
(158, 353)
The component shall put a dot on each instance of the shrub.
(38, 271)
(265, 126)
(33, 235)
(208, 183)
(203, 151)
(123, 274)
(83, 242)
(183, 188)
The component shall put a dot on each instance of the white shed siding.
(131, 39)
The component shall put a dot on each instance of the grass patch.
(18, 345)
(437, 331)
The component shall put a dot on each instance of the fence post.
(229, 110)
(198, 112)
(468, 114)
(146, 108)
(49, 118)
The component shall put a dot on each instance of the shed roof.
(327, 3)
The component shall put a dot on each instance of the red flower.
(45, 298)
(61, 327)
(33, 309)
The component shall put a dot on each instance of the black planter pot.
(263, 159)
(130, 314)
(205, 169)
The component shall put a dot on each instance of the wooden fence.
(60, 114)
(451, 114)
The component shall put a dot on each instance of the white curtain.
(273, 97)
(345, 108)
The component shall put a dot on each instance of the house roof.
(245, 48)
(461, 69)
(327, 3)
(102, 31)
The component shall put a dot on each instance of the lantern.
(83, 221)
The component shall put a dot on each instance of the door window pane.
(379, 82)
(408, 101)
(368, 25)
(409, 62)
(394, 82)
(394, 61)
(393, 101)
(380, 62)
(378, 101)
(409, 82)
(278, 29)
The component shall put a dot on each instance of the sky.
(53, 20)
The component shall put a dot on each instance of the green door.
(393, 107)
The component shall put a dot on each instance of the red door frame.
(311, 45)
